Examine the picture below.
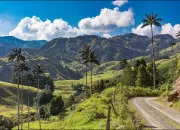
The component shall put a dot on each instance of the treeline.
(139, 74)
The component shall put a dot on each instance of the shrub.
(57, 105)
(78, 88)
(70, 101)
(45, 96)
(5, 123)
(45, 111)
(131, 92)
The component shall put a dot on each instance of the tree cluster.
(140, 74)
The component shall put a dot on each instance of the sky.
(45, 20)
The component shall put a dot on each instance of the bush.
(5, 123)
(70, 101)
(57, 105)
(45, 111)
(131, 92)
(78, 88)
(44, 97)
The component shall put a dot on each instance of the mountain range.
(7, 43)
(60, 56)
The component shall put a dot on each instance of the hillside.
(60, 56)
(115, 48)
(8, 94)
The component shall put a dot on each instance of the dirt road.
(157, 115)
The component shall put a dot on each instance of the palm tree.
(38, 71)
(30, 79)
(85, 57)
(17, 55)
(22, 67)
(92, 59)
(152, 20)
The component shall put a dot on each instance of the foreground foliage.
(92, 113)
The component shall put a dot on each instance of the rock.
(173, 96)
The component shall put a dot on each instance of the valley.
(90, 82)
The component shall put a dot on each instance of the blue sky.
(72, 12)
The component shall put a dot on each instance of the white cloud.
(33, 28)
(169, 29)
(106, 35)
(146, 31)
(165, 29)
(107, 20)
(36, 29)
(119, 2)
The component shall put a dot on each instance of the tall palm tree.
(85, 57)
(18, 57)
(30, 79)
(38, 71)
(22, 67)
(150, 21)
(92, 60)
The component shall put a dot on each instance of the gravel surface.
(156, 114)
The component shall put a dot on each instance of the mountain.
(9, 42)
(60, 56)
(116, 48)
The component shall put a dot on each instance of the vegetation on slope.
(8, 94)
(92, 113)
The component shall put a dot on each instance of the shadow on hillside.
(148, 126)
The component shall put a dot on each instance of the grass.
(164, 64)
(64, 88)
(169, 48)
(92, 114)
(8, 98)
(9, 111)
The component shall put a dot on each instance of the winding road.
(157, 115)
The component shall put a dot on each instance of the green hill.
(8, 94)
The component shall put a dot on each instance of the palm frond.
(157, 24)
(144, 25)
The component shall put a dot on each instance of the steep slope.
(60, 56)
(115, 48)
(8, 94)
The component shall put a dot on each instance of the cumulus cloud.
(119, 2)
(107, 20)
(144, 31)
(36, 29)
(169, 29)
(106, 35)
(33, 28)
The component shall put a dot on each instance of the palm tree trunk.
(154, 73)
(28, 108)
(91, 78)
(38, 112)
(22, 103)
(18, 95)
(86, 81)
